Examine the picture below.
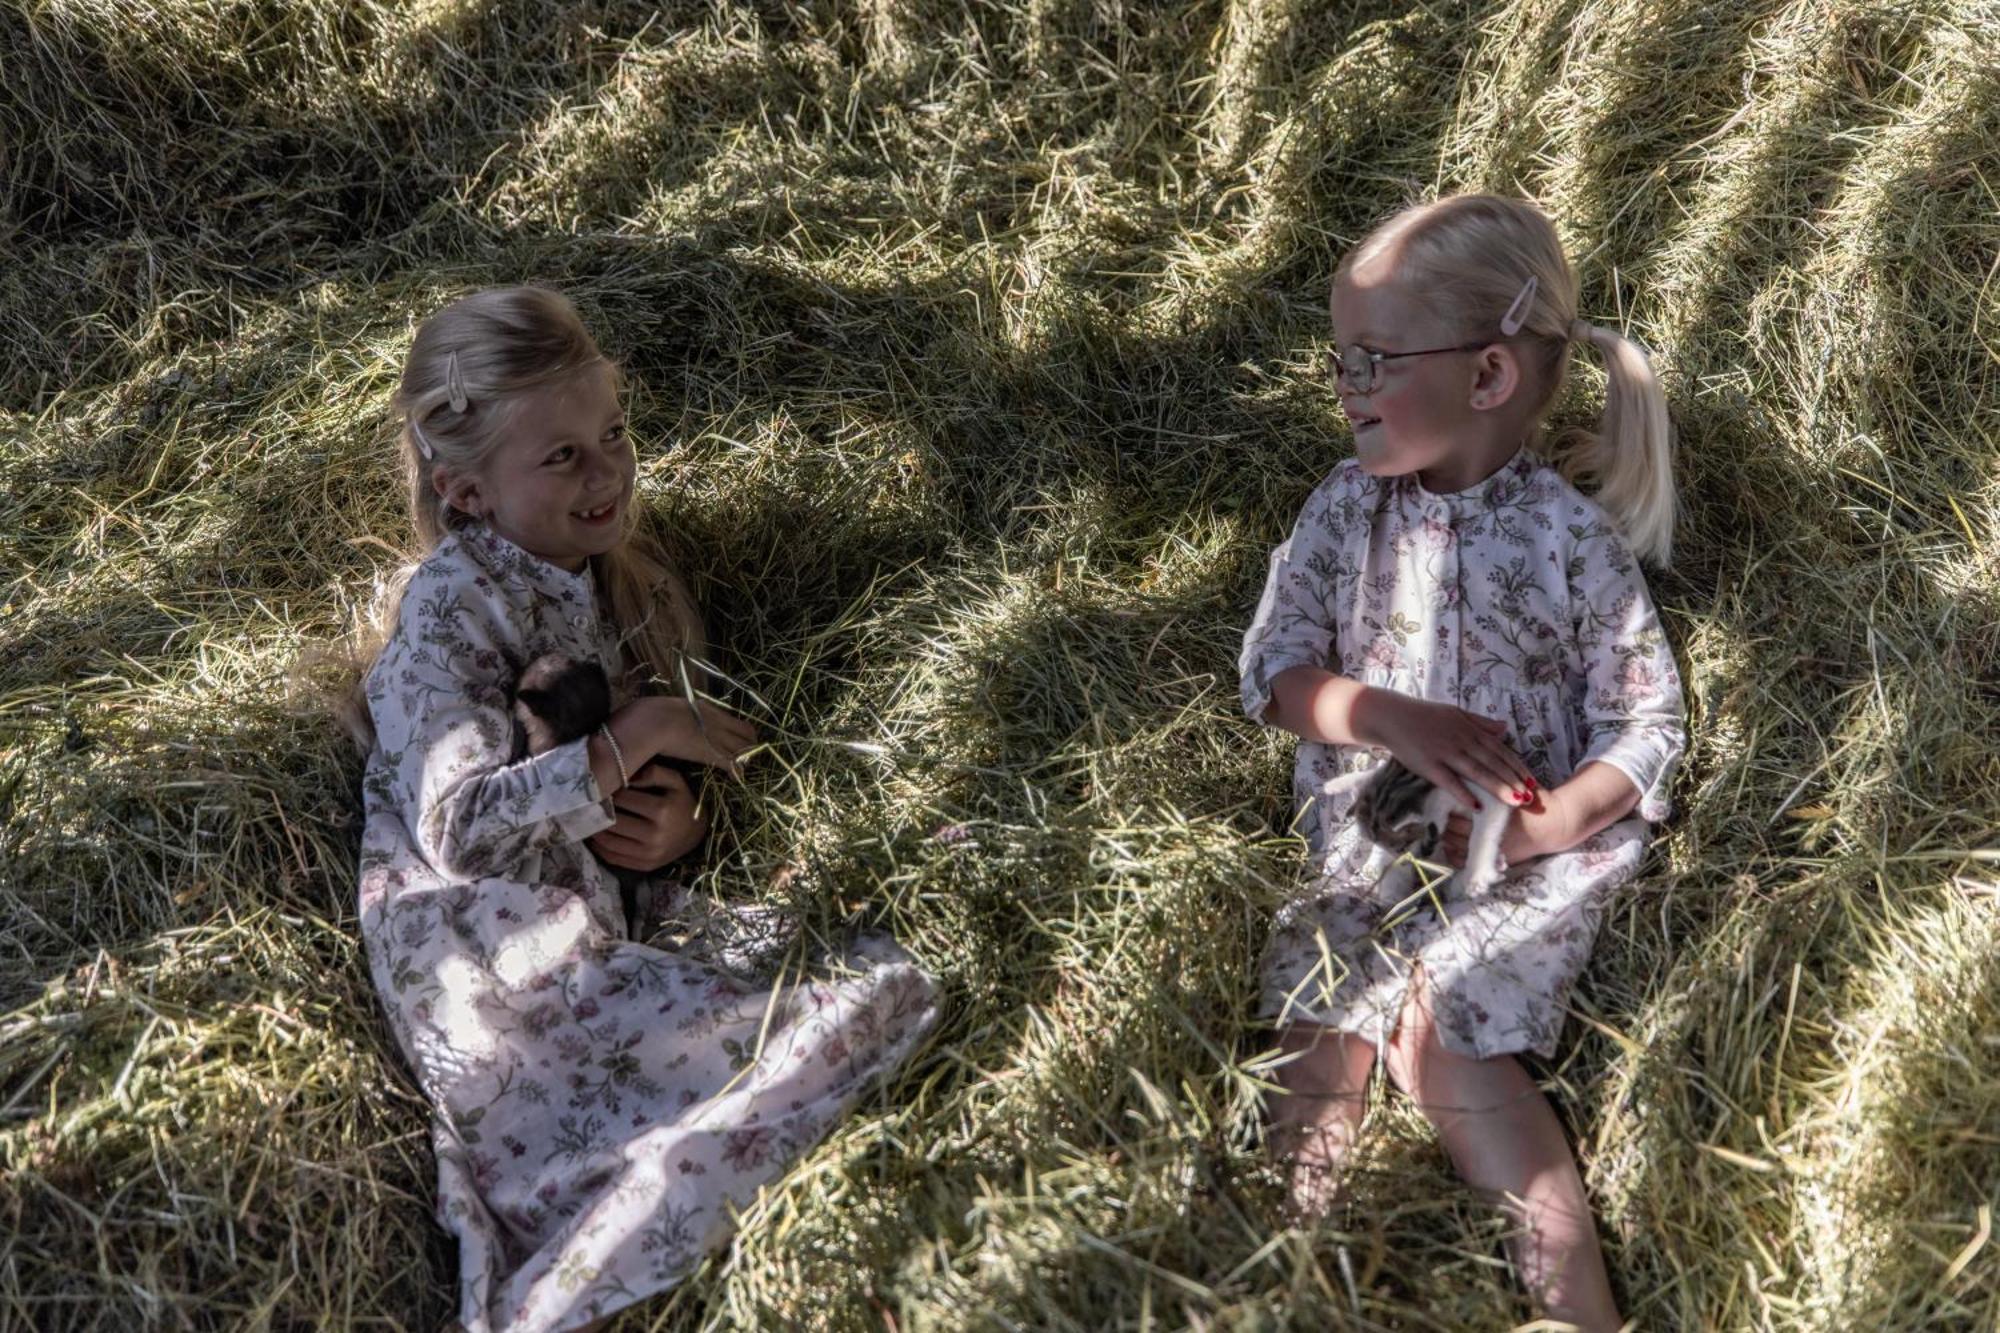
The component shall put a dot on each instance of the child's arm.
(1594, 799)
(1631, 709)
(1289, 648)
(654, 725)
(440, 695)
(1446, 745)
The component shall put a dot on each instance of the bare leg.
(1504, 1138)
(1315, 1119)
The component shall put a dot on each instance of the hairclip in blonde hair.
(454, 384)
(1517, 313)
(423, 441)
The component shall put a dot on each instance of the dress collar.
(505, 560)
(1502, 485)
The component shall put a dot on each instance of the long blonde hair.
(468, 365)
(1465, 259)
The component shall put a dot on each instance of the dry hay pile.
(974, 349)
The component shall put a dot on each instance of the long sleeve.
(1631, 695)
(439, 696)
(1294, 624)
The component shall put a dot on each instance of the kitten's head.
(559, 699)
(1390, 808)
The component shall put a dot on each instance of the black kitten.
(559, 699)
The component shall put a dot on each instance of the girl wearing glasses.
(1449, 597)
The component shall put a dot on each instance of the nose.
(601, 474)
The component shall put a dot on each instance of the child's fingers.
(655, 776)
(1444, 777)
(1506, 776)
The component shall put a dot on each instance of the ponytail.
(1630, 457)
(1484, 265)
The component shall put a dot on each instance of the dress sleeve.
(1631, 697)
(1294, 624)
(439, 696)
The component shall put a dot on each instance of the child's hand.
(704, 734)
(1540, 828)
(657, 822)
(1451, 747)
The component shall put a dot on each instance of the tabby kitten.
(1402, 812)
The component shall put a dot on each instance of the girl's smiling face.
(1418, 415)
(559, 483)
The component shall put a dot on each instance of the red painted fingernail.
(1531, 784)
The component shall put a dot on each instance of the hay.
(972, 352)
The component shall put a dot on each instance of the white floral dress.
(602, 1103)
(1515, 600)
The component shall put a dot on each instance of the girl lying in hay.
(1451, 601)
(600, 1103)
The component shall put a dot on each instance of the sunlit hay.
(1347, 121)
(974, 356)
(1904, 1097)
(1254, 34)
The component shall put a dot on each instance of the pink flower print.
(1436, 535)
(585, 1010)
(1638, 676)
(834, 1051)
(1381, 652)
(547, 1193)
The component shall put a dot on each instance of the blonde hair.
(1464, 260)
(468, 367)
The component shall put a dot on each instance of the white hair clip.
(1517, 313)
(454, 384)
(423, 442)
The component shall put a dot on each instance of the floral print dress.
(1515, 599)
(601, 1103)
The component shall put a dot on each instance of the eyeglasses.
(1360, 366)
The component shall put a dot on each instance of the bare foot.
(1312, 1154)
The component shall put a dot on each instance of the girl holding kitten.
(1449, 599)
(601, 1105)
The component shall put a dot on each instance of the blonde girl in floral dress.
(601, 1104)
(1448, 597)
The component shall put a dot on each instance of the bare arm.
(1597, 796)
(654, 725)
(1447, 745)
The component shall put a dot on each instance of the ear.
(459, 490)
(1496, 375)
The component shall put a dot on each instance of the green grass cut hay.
(973, 351)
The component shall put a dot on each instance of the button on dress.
(1516, 599)
(600, 1103)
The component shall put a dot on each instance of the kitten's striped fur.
(1403, 812)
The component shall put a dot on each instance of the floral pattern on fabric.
(602, 1104)
(1515, 599)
